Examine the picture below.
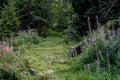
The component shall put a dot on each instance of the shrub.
(26, 39)
(7, 75)
(102, 53)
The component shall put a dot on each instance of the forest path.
(49, 57)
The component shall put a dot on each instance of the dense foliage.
(65, 16)
(9, 22)
(35, 14)
(104, 9)
(43, 15)
(104, 53)
(36, 35)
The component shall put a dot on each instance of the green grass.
(49, 59)
(49, 55)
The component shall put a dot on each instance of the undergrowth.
(26, 39)
(99, 59)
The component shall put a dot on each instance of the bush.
(99, 60)
(26, 39)
(7, 75)
(102, 53)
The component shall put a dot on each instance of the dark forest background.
(68, 17)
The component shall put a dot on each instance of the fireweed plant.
(99, 55)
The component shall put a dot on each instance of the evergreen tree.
(9, 22)
(2, 2)
(35, 14)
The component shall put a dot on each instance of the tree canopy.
(65, 16)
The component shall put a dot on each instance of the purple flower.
(107, 55)
(97, 62)
(96, 17)
(88, 65)
(99, 52)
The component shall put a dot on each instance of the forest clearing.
(59, 39)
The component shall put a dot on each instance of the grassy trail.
(49, 57)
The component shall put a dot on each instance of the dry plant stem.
(89, 25)
(97, 22)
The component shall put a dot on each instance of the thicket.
(68, 17)
(65, 16)
(99, 59)
(106, 10)
(42, 15)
